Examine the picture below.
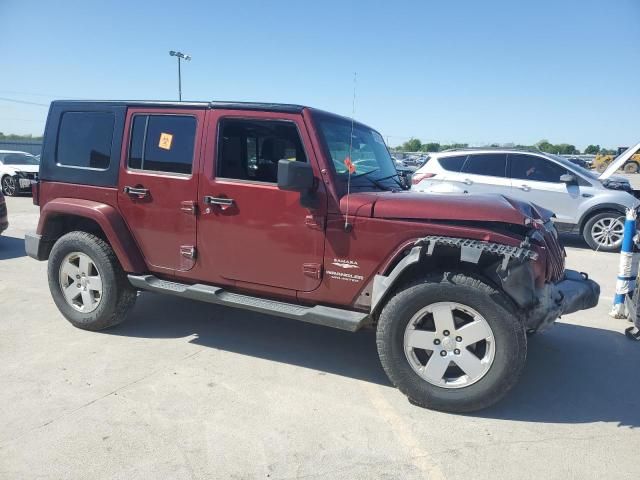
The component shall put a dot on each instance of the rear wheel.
(604, 231)
(631, 167)
(451, 342)
(87, 282)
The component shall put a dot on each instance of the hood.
(13, 169)
(619, 161)
(425, 206)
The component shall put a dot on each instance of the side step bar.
(319, 315)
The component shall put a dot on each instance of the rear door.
(158, 185)
(537, 180)
(485, 173)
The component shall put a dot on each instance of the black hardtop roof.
(216, 104)
(262, 106)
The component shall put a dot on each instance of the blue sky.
(466, 71)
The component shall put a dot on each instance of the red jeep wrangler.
(296, 212)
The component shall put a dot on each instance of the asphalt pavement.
(190, 390)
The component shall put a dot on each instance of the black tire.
(631, 167)
(508, 332)
(118, 296)
(587, 233)
(9, 187)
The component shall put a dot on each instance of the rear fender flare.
(109, 220)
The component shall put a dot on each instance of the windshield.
(572, 166)
(18, 159)
(372, 165)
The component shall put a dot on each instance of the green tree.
(546, 146)
(431, 147)
(592, 149)
(411, 145)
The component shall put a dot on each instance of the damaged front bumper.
(576, 291)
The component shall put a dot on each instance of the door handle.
(526, 188)
(222, 202)
(466, 181)
(137, 192)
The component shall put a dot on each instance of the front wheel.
(9, 187)
(451, 342)
(604, 231)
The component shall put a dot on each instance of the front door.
(158, 184)
(250, 231)
(537, 180)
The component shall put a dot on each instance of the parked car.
(18, 170)
(584, 202)
(579, 162)
(4, 219)
(451, 283)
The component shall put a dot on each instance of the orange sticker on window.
(165, 141)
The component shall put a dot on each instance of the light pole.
(186, 58)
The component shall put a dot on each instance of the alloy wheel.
(608, 231)
(80, 282)
(9, 186)
(449, 345)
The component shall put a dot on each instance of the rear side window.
(84, 140)
(531, 167)
(489, 164)
(162, 143)
(452, 164)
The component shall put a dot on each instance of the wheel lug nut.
(456, 351)
(78, 277)
(443, 353)
(436, 342)
(446, 333)
(458, 339)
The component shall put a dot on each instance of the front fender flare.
(109, 220)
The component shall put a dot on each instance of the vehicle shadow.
(574, 374)
(11, 247)
(278, 339)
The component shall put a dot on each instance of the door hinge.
(188, 206)
(188, 251)
(313, 270)
(314, 222)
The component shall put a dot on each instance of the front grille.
(31, 176)
(555, 256)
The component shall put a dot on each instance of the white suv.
(584, 202)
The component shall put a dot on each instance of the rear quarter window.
(84, 140)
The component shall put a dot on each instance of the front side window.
(162, 143)
(251, 149)
(489, 164)
(371, 164)
(531, 167)
(84, 140)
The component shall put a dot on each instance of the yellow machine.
(601, 162)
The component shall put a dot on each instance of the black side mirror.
(295, 176)
(568, 178)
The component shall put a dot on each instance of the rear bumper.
(34, 246)
(573, 293)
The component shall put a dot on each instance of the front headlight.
(21, 174)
